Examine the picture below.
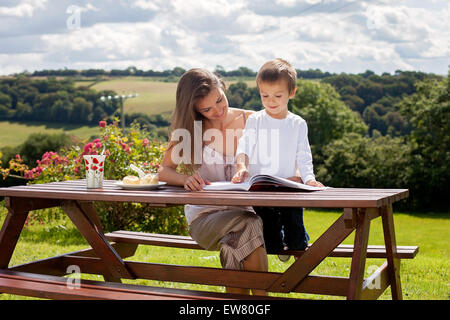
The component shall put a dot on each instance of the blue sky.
(333, 35)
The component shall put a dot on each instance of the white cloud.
(122, 41)
(25, 8)
(252, 23)
(146, 5)
(21, 62)
(333, 35)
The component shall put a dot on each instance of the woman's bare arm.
(167, 171)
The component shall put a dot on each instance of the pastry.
(130, 180)
(150, 178)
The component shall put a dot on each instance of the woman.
(202, 112)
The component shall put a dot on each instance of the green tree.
(5, 100)
(428, 112)
(23, 112)
(61, 111)
(39, 143)
(5, 112)
(81, 111)
(327, 116)
(178, 71)
(363, 162)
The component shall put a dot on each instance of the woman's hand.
(195, 183)
(240, 176)
(314, 183)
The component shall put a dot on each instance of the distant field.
(155, 97)
(13, 134)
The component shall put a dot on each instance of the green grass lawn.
(423, 278)
(14, 133)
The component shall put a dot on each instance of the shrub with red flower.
(121, 150)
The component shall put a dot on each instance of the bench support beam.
(214, 276)
(375, 284)
(318, 251)
(55, 265)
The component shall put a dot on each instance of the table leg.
(98, 242)
(359, 256)
(9, 235)
(387, 217)
(18, 209)
(89, 210)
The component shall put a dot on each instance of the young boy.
(275, 141)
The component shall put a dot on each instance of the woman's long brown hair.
(194, 84)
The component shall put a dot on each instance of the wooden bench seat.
(165, 240)
(53, 287)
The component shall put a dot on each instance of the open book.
(260, 181)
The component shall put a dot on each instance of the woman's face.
(214, 106)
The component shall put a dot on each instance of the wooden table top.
(169, 195)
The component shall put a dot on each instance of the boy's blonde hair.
(275, 70)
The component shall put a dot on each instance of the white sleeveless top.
(215, 167)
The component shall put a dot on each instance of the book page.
(227, 185)
(283, 182)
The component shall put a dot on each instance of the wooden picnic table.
(107, 252)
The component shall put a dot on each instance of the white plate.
(120, 184)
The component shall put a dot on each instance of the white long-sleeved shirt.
(277, 146)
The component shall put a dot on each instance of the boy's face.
(275, 97)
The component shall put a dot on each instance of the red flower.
(95, 160)
(85, 160)
(102, 124)
(87, 147)
(94, 168)
(101, 164)
(101, 169)
(87, 168)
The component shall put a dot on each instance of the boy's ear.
(293, 93)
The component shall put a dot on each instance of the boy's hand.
(240, 176)
(296, 179)
(314, 183)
